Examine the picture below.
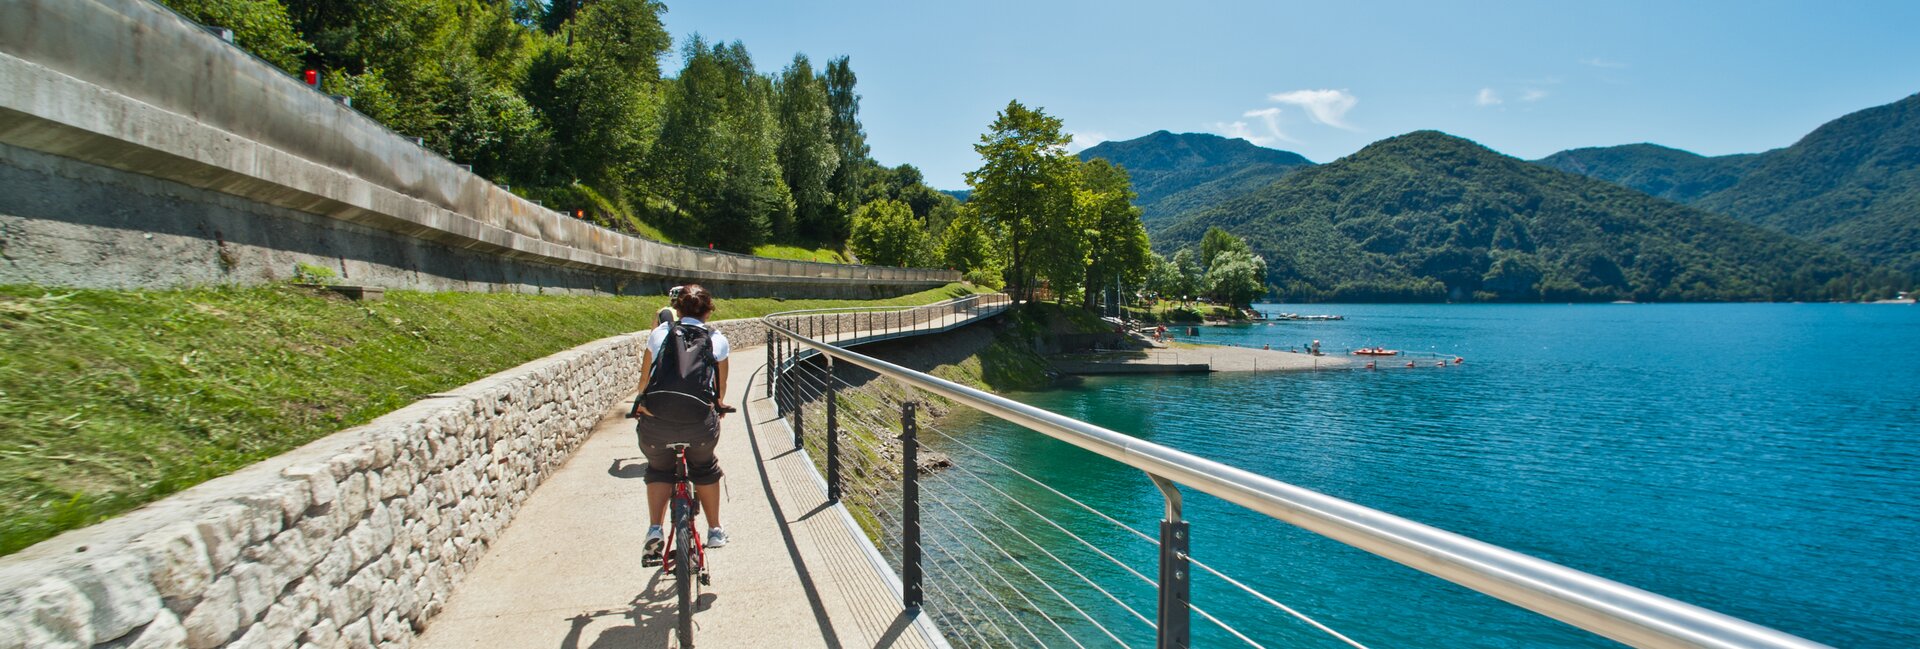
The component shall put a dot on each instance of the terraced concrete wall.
(354, 540)
(137, 150)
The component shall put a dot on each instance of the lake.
(1757, 460)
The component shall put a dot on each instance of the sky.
(1325, 79)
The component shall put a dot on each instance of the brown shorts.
(703, 467)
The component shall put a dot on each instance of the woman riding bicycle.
(683, 390)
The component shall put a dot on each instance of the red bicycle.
(685, 555)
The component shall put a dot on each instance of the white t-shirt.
(659, 337)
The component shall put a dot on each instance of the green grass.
(797, 253)
(111, 399)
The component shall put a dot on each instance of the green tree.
(886, 234)
(849, 138)
(1117, 250)
(1187, 274)
(259, 26)
(1236, 277)
(600, 92)
(1217, 241)
(966, 245)
(1024, 187)
(808, 156)
(716, 156)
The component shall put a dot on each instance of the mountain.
(1671, 174)
(1429, 216)
(1177, 172)
(1853, 183)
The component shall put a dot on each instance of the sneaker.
(654, 551)
(716, 537)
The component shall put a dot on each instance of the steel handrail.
(1604, 607)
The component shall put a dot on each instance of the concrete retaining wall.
(137, 94)
(353, 540)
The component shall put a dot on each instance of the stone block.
(121, 595)
(177, 564)
(215, 619)
(357, 634)
(50, 614)
(164, 632)
(320, 481)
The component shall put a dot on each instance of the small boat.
(1376, 351)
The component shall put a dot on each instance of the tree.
(1217, 241)
(1236, 277)
(849, 138)
(1117, 246)
(1187, 274)
(1024, 186)
(600, 92)
(886, 234)
(966, 246)
(716, 157)
(259, 26)
(808, 155)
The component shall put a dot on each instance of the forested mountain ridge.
(1668, 173)
(1430, 216)
(1853, 182)
(1176, 172)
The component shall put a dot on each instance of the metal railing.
(810, 369)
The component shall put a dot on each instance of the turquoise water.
(1758, 460)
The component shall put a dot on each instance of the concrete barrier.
(142, 105)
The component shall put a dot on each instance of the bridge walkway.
(796, 573)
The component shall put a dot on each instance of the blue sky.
(1326, 78)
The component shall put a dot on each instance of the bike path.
(567, 572)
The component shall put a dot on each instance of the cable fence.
(1000, 556)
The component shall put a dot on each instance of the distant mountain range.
(1854, 182)
(1430, 216)
(1176, 173)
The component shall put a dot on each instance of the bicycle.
(684, 555)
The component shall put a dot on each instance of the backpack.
(680, 388)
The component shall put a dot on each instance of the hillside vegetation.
(111, 399)
(1175, 173)
(1854, 182)
(1429, 216)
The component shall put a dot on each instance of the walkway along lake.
(1758, 460)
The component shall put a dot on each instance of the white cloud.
(1533, 94)
(1241, 130)
(1324, 106)
(1603, 63)
(1083, 141)
(1487, 97)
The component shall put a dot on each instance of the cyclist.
(683, 387)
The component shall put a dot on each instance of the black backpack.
(680, 388)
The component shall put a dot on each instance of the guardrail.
(1606, 608)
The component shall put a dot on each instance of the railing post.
(1175, 579)
(910, 595)
(833, 435)
(770, 367)
(799, 421)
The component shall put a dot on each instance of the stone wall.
(354, 540)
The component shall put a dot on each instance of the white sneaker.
(716, 537)
(656, 544)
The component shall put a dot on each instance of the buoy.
(1369, 364)
(1409, 363)
(1439, 363)
(1458, 360)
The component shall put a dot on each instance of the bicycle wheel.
(683, 570)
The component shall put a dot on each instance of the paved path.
(796, 573)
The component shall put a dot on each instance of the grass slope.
(111, 399)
